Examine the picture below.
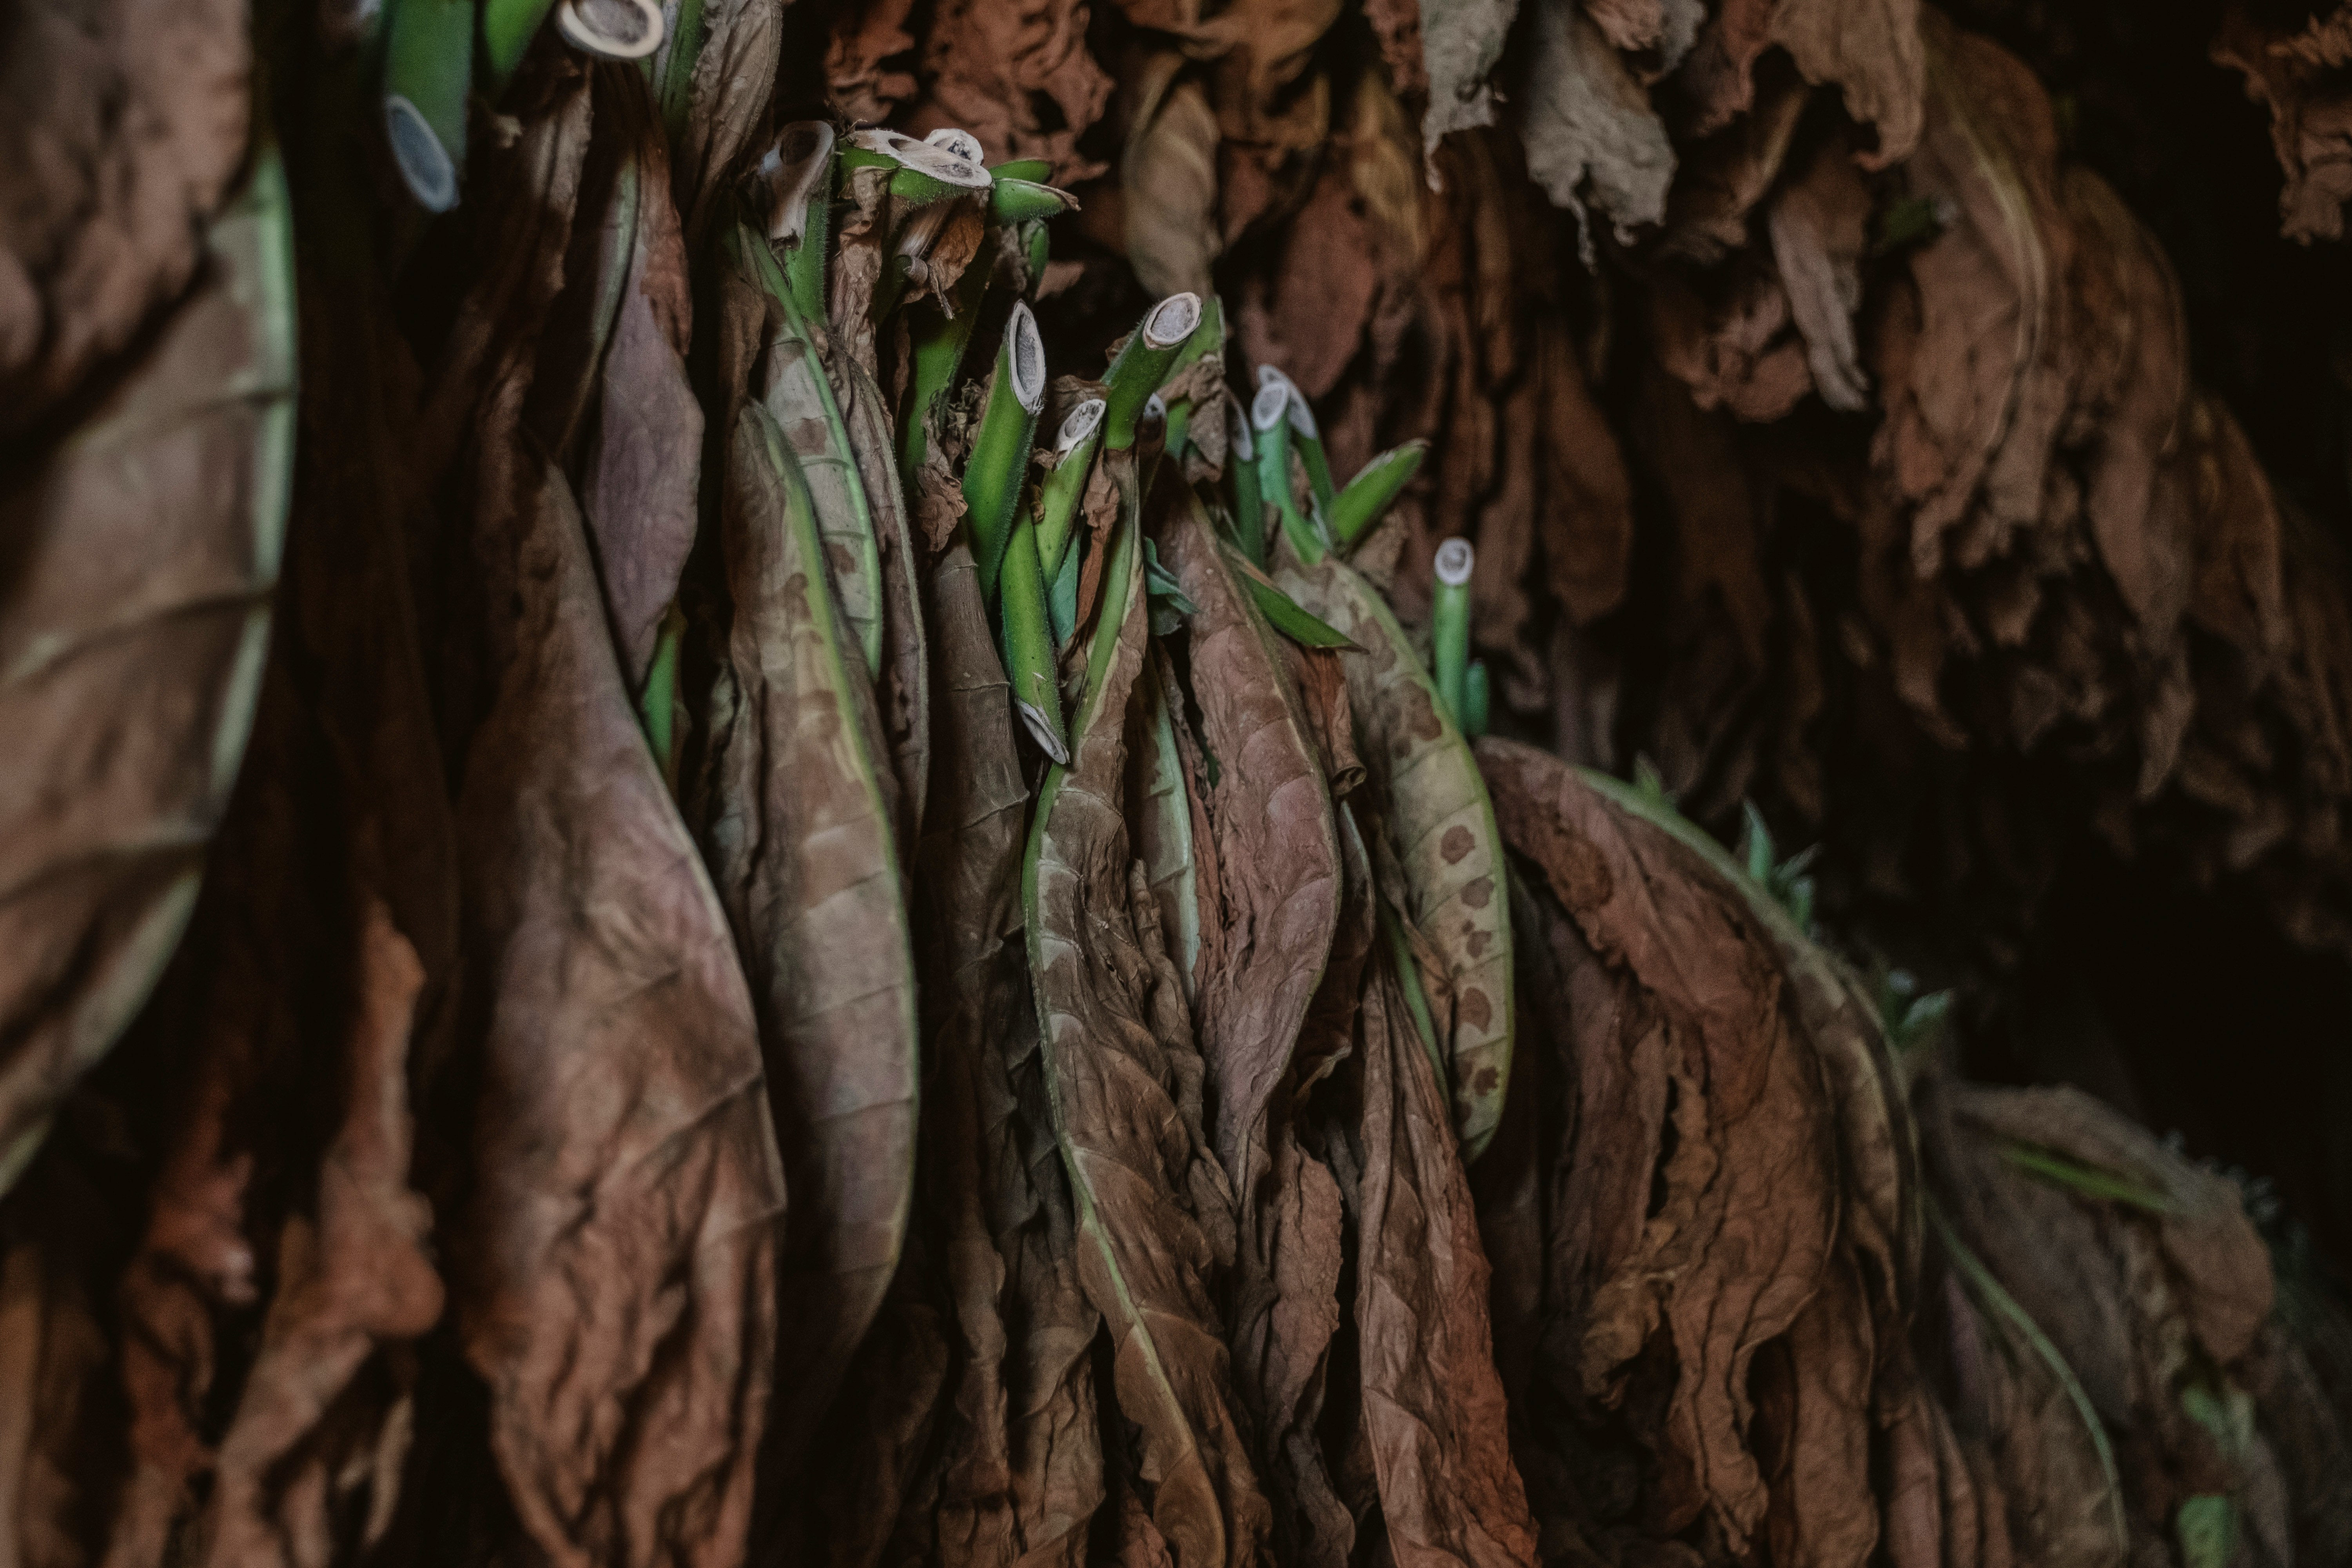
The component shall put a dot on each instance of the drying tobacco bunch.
(897, 958)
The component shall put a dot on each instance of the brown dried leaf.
(2311, 113)
(1435, 1416)
(1677, 1256)
(1591, 133)
(124, 129)
(1152, 1206)
(801, 846)
(143, 554)
(614, 1283)
(1016, 75)
(638, 490)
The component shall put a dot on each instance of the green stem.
(999, 463)
(1450, 622)
(428, 66)
(1057, 505)
(1305, 436)
(507, 28)
(1029, 643)
(1207, 337)
(805, 187)
(1270, 421)
(1241, 474)
(1416, 1000)
(1143, 364)
(1354, 509)
(940, 342)
(1476, 698)
(1035, 170)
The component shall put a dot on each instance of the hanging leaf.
(1150, 1198)
(144, 554)
(801, 841)
(1444, 824)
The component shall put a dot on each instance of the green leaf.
(2088, 1180)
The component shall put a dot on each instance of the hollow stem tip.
(1305, 436)
(428, 65)
(993, 475)
(1057, 500)
(1144, 363)
(1270, 419)
(1450, 622)
(611, 29)
(799, 175)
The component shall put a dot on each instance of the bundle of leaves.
(693, 912)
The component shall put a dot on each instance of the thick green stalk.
(939, 340)
(999, 463)
(1057, 500)
(428, 67)
(1270, 419)
(507, 28)
(1207, 337)
(1450, 622)
(803, 219)
(1038, 250)
(1029, 660)
(1036, 170)
(1354, 509)
(1144, 363)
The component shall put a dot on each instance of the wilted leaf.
(1461, 45)
(1020, 1472)
(1590, 134)
(134, 621)
(124, 131)
(1169, 176)
(1147, 1190)
(1436, 806)
(644, 459)
(801, 847)
(902, 686)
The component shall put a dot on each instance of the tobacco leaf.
(352, 1278)
(124, 134)
(1874, 52)
(615, 1266)
(1018, 77)
(1020, 1472)
(1818, 224)
(643, 462)
(1169, 178)
(1434, 1414)
(734, 77)
(2311, 112)
(1461, 45)
(800, 840)
(1592, 136)
(1430, 795)
(799, 396)
(1278, 893)
(132, 638)
(1163, 818)
(902, 688)
(862, 42)
(1276, 906)
(1151, 1201)
(1694, 1194)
